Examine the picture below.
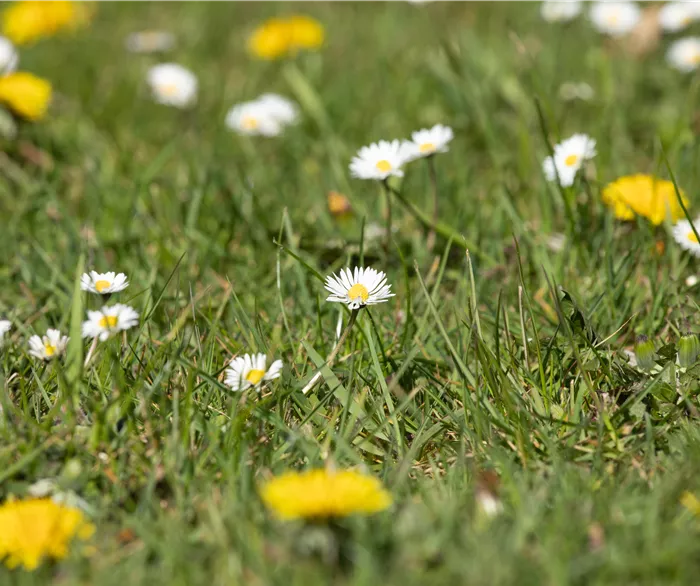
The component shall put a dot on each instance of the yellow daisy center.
(571, 160)
(49, 349)
(426, 147)
(384, 166)
(692, 237)
(358, 290)
(102, 285)
(695, 58)
(108, 321)
(613, 18)
(249, 123)
(255, 376)
(168, 89)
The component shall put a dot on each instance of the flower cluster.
(618, 19)
(24, 94)
(100, 324)
(386, 158)
(267, 115)
(112, 319)
(281, 37)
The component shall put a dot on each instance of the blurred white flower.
(103, 283)
(109, 320)
(571, 90)
(250, 370)
(5, 326)
(380, 160)
(427, 142)
(569, 156)
(252, 119)
(46, 487)
(50, 346)
(280, 108)
(8, 56)
(356, 289)
(691, 281)
(561, 11)
(150, 42)
(615, 18)
(685, 237)
(556, 241)
(266, 116)
(172, 85)
(684, 54)
(675, 16)
(489, 503)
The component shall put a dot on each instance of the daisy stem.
(434, 184)
(343, 337)
(90, 351)
(387, 193)
(331, 357)
(445, 231)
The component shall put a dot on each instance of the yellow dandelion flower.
(322, 494)
(643, 195)
(27, 95)
(280, 37)
(305, 32)
(691, 502)
(27, 22)
(34, 529)
(271, 40)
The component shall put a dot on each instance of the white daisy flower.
(565, 11)
(149, 42)
(427, 142)
(8, 56)
(684, 54)
(253, 119)
(571, 90)
(569, 156)
(5, 326)
(50, 346)
(103, 283)
(683, 234)
(280, 108)
(675, 16)
(172, 85)
(615, 18)
(265, 116)
(250, 370)
(359, 288)
(380, 160)
(109, 320)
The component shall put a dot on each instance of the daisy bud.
(338, 204)
(645, 351)
(688, 350)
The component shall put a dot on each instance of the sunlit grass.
(497, 371)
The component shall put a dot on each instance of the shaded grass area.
(508, 360)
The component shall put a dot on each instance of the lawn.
(497, 396)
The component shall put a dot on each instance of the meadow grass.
(498, 369)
